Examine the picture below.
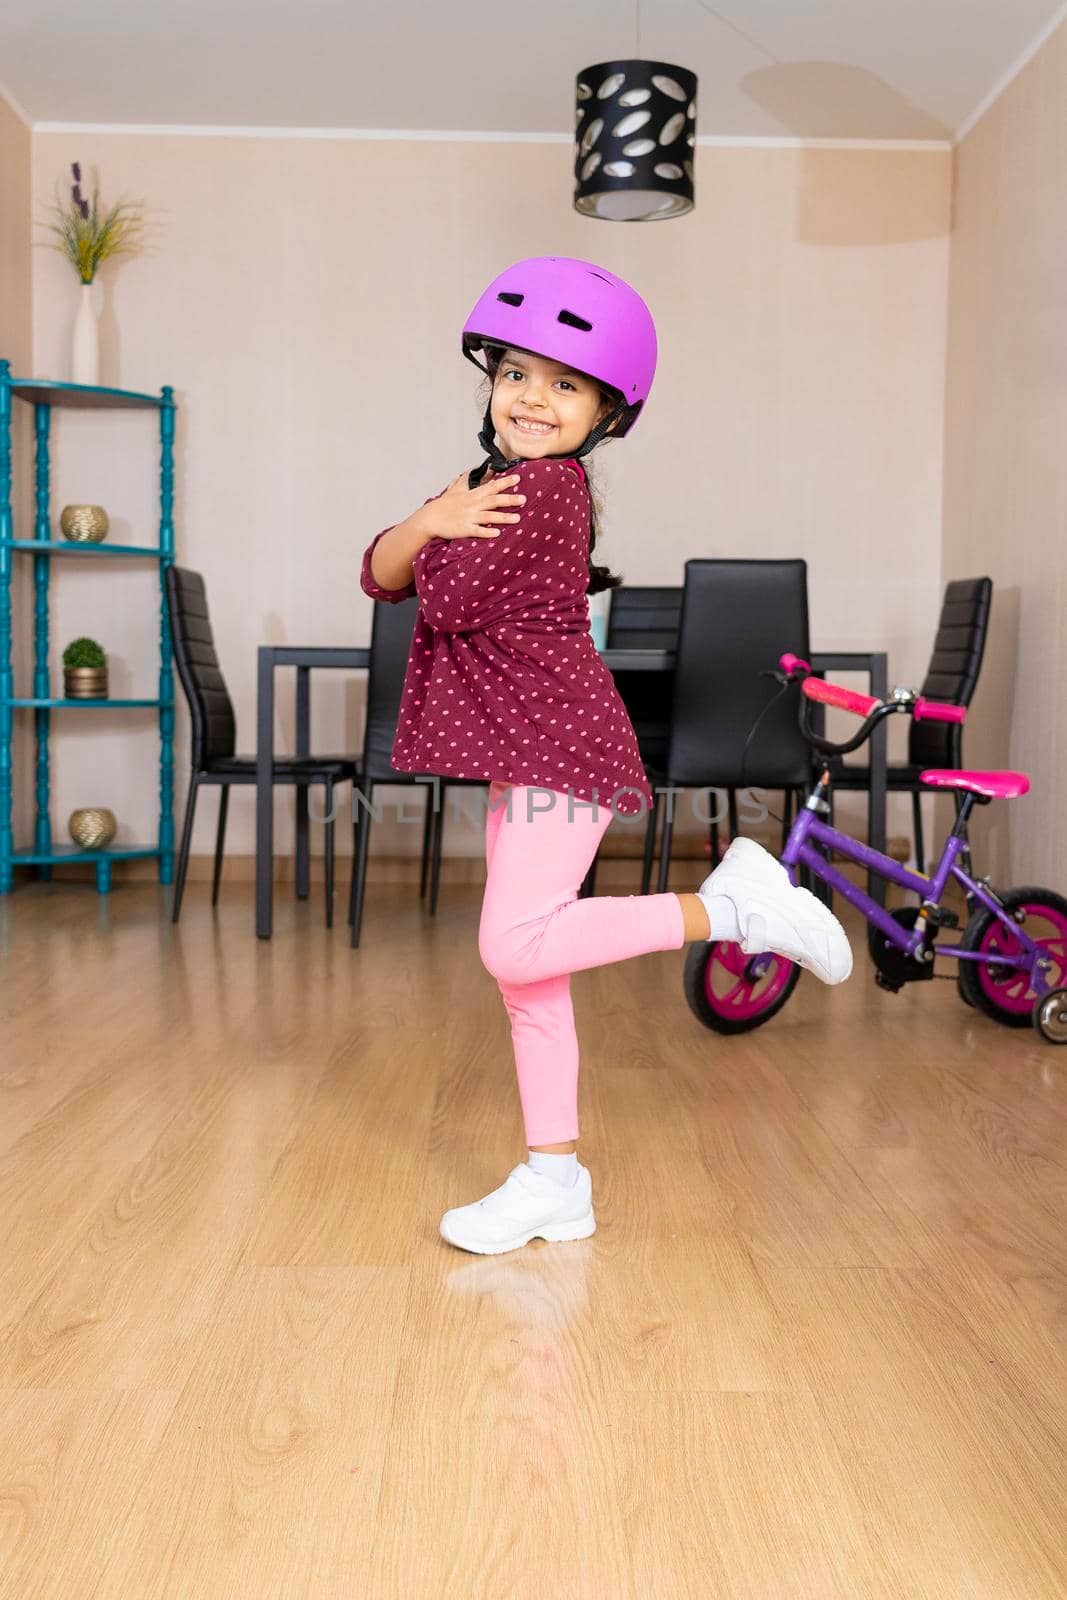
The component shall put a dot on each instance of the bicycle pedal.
(938, 917)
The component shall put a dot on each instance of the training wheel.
(1050, 1016)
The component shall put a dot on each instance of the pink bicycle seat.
(997, 785)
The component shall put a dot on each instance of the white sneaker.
(773, 914)
(526, 1206)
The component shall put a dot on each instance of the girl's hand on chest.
(462, 513)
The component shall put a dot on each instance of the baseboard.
(614, 867)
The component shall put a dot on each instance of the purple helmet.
(576, 313)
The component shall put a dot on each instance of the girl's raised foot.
(773, 914)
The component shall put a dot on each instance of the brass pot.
(84, 524)
(93, 827)
(85, 683)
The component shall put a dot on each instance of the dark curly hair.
(600, 578)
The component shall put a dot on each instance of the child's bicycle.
(1013, 952)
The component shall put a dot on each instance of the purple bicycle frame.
(798, 852)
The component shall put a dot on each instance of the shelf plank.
(45, 705)
(72, 547)
(81, 396)
(74, 852)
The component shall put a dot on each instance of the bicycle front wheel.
(731, 992)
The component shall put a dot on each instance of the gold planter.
(93, 827)
(85, 683)
(84, 524)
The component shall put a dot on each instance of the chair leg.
(650, 841)
(303, 843)
(732, 803)
(183, 853)
(917, 827)
(220, 841)
(359, 863)
(435, 868)
(427, 840)
(355, 853)
(329, 852)
(665, 851)
(713, 831)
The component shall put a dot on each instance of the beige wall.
(1006, 448)
(305, 299)
(16, 341)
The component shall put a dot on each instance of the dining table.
(307, 658)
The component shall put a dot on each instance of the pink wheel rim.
(734, 990)
(1008, 988)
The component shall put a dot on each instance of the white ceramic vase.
(85, 351)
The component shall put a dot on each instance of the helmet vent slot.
(574, 321)
(511, 299)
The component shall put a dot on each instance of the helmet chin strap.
(500, 463)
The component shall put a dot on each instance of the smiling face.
(542, 408)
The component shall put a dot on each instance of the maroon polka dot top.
(503, 680)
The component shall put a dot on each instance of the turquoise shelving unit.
(43, 395)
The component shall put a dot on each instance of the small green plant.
(84, 653)
(88, 232)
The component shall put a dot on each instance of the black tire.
(970, 984)
(694, 984)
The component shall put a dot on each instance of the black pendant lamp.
(634, 141)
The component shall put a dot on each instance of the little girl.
(504, 683)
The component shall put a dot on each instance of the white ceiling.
(850, 69)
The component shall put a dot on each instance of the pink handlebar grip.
(834, 694)
(938, 711)
(789, 663)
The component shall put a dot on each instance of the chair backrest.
(392, 625)
(954, 667)
(644, 618)
(210, 706)
(738, 618)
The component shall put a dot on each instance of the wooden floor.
(816, 1348)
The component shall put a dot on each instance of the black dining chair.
(390, 643)
(646, 618)
(952, 675)
(731, 727)
(214, 741)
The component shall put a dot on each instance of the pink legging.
(535, 932)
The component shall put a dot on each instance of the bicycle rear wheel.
(1003, 992)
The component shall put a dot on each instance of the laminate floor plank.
(266, 1479)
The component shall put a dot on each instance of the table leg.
(303, 748)
(264, 791)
